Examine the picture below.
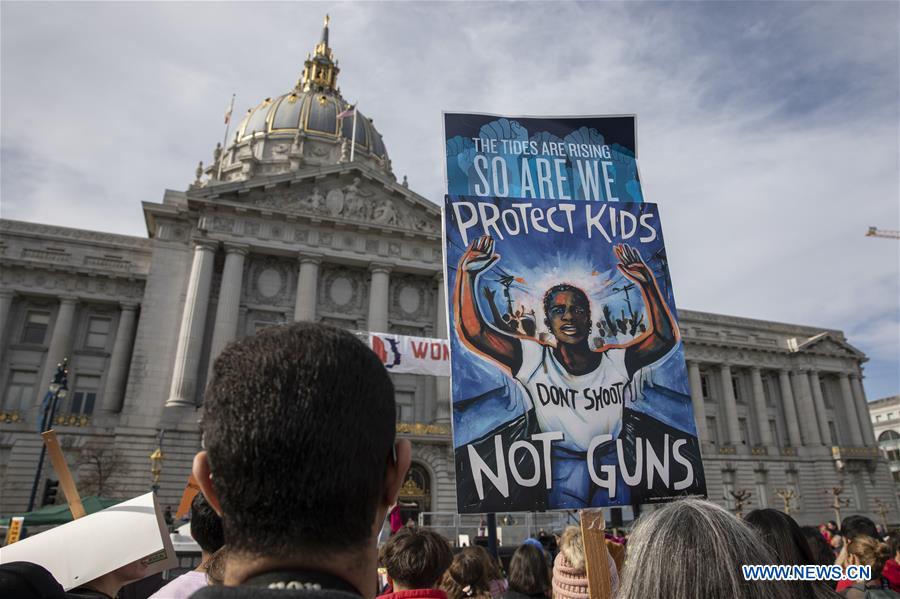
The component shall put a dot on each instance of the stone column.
(59, 340)
(819, 403)
(6, 300)
(791, 417)
(697, 400)
(442, 383)
(849, 404)
(228, 309)
(193, 319)
(307, 288)
(114, 392)
(759, 407)
(805, 408)
(862, 409)
(734, 429)
(378, 298)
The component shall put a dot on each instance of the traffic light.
(50, 489)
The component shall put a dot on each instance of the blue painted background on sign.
(484, 395)
(553, 158)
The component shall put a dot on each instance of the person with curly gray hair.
(692, 548)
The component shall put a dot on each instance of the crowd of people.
(301, 466)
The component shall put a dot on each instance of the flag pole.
(225, 139)
(353, 135)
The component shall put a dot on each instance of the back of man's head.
(854, 526)
(416, 558)
(206, 525)
(298, 423)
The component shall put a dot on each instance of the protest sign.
(89, 547)
(553, 158)
(187, 497)
(568, 379)
(403, 354)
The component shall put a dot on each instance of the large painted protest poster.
(552, 158)
(568, 378)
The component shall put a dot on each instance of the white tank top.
(580, 406)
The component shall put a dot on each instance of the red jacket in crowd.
(416, 594)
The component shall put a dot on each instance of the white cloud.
(768, 132)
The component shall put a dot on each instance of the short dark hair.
(548, 296)
(415, 557)
(206, 525)
(298, 422)
(528, 571)
(854, 526)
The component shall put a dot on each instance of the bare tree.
(97, 465)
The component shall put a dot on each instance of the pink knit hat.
(568, 583)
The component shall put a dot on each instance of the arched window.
(888, 435)
(415, 494)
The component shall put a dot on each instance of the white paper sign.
(87, 548)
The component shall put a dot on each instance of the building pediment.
(825, 343)
(356, 195)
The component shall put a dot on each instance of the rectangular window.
(767, 391)
(97, 332)
(711, 430)
(704, 386)
(404, 406)
(736, 387)
(826, 394)
(773, 430)
(20, 390)
(745, 430)
(35, 330)
(85, 395)
(833, 431)
(896, 475)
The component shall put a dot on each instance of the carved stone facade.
(293, 229)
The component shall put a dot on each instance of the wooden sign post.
(596, 560)
(63, 474)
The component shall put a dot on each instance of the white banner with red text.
(412, 355)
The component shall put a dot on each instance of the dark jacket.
(252, 592)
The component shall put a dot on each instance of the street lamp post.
(58, 389)
(156, 460)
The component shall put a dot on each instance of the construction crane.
(875, 232)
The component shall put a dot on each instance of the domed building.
(300, 217)
(302, 128)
